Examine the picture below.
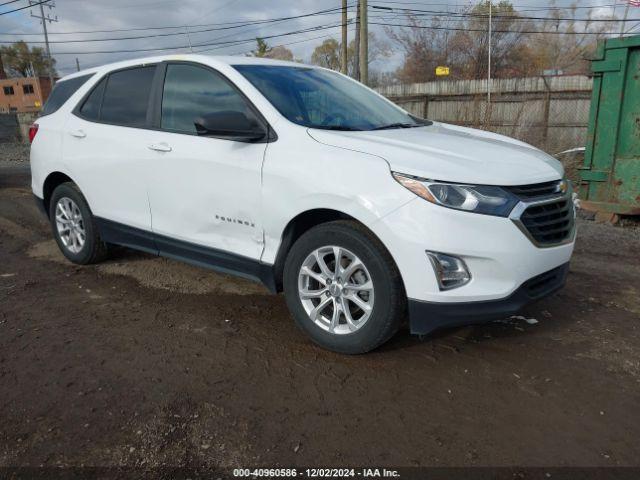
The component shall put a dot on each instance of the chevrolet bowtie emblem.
(563, 186)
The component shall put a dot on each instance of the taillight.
(33, 129)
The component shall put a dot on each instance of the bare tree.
(510, 51)
(265, 51)
(520, 46)
(327, 54)
(568, 51)
(424, 48)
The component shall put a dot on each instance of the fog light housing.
(451, 272)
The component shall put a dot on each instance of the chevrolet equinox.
(305, 180)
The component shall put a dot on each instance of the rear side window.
(62, 92)
(191, 91)
(126, 97)
(91, 107)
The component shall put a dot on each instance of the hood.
(451, 153)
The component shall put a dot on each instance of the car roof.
(213, 60)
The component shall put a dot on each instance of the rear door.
(106, 144)
(204, 192)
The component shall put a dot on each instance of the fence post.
(545, 114)
(425, 107)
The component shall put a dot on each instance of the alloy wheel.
(70, 225)
(336, 290)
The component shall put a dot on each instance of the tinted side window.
(126, 97)
(91, 107)
(62, 91)
(191, 91)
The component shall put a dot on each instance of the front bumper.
(425, 317)
(498, 254)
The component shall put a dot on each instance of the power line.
(153, 35)
(7, 3)
(462, 19)
(515, 16)
(220, 44)
(520, 8)
(284, 44)
(227, 25)
(217, 45)
(24, 8)
(528, 32)
(295, 42)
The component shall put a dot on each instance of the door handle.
(78, 133)
(160, 147)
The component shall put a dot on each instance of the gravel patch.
(13, 152)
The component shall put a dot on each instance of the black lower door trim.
(120, 234)
(199, 255)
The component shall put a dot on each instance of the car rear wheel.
(74, 226)
(343, 288)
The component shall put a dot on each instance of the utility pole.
(489, 61)
(364, 43)
(356, 53)
(44, 20)
(77, 64)
(186, 30)
(624, 21)
(343, 49)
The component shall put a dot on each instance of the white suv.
(307, 181)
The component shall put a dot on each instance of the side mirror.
(231, 125)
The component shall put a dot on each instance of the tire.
(66, 199)
(384, 299)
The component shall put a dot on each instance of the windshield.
(319, 98)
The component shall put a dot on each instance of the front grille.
(535, 191)
(549, 223)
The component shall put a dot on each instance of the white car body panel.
(112, 164)
(205, 189)
(452, 154)
(301, 174)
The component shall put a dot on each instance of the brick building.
(23, 94)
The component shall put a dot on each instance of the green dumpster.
(610, 176)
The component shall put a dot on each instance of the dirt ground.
(142, 361)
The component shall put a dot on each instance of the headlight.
(470, 198)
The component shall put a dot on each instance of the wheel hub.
(335, 289)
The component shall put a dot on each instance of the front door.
(204, 192)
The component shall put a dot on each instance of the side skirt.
(199, 255)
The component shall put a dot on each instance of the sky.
(212, 25)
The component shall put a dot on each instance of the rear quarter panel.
(46, 151)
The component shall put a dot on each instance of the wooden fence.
(549, 112)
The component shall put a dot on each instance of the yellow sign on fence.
(442, 71)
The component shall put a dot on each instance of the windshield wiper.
(337, 127)
(397, 125)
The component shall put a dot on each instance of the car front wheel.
(343, 288)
